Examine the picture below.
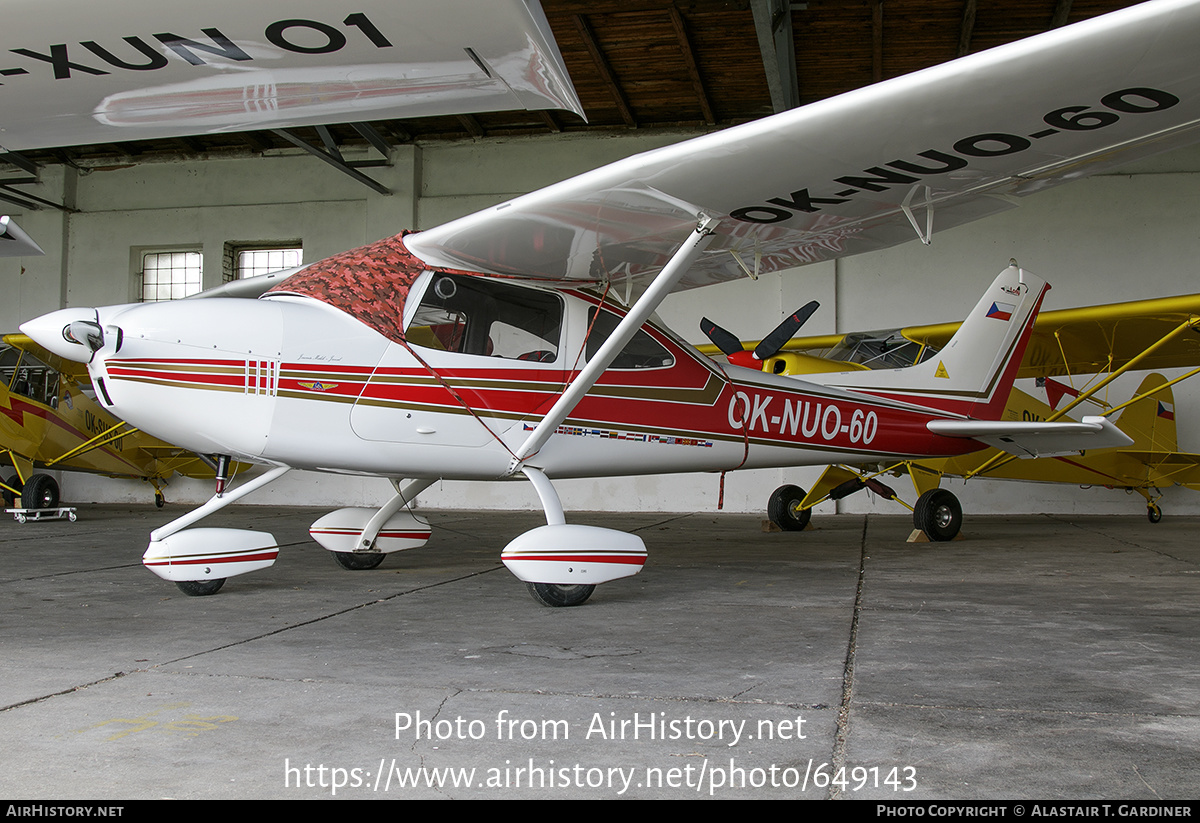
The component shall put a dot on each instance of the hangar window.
(244, 260)
(170, 275)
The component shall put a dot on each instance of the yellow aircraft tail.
(1151, 420)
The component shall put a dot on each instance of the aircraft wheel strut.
(554, 594)
(783, 509)
(200, 588)
(939, 514)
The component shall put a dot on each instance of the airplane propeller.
(770, 345)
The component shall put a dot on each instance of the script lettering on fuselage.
(807, 418)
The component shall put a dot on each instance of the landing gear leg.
(173, 556)
(363, 558)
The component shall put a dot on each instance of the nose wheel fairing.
(568, 554)
(210, 554)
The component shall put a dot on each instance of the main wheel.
(784, 510)
(9, 497)
(1153, 513)
(554, 594)
(200, 588)
(40, 492)
(160, 499)
(358, 561)
(938, 514)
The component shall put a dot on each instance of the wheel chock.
(919, 536)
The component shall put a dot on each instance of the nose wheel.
(200, 588)
(556, 595)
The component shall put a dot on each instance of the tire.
(200, 588)
(1153, 513)
(555, 595)
(783, 509)
(40, 492)
(160, 499)
(10, 498)
(938, 514)
(358, 561)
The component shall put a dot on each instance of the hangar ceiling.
(643, 64)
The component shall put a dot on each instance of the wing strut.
(663, 283)
(926, 236)
(1000, 459)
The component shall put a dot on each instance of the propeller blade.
(723, 340)
(785, 331)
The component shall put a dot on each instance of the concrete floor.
(1041, 657)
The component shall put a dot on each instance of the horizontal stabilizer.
(1034, 438)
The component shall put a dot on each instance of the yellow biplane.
(49, 420)
(1100, 342)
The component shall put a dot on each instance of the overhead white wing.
(14, 242)
(864, 170)
(75, 72)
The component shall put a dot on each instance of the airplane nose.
(74, 334)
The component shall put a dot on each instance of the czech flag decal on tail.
(1001, 311)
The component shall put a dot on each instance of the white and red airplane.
(508, 344)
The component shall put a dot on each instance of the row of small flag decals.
(632, 437)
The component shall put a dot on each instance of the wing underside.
(866, 170)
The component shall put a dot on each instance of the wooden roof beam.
(773, 23)
(689, 58)
(966, 29)
(602, 66)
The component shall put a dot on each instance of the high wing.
(868, 169)
(14, 242)
(1159, 333)
(75, 72)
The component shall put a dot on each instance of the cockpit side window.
(641, 352)
(24, 374)
(475, 315)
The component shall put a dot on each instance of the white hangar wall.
(1106, 239)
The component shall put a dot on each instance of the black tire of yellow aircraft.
(939, 514)
(358, 561)
(783, 509)
(1153, 513)
(555, 595)
(40, 492)
(10, 499)
(200, 588)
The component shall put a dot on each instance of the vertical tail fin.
(1151, 421)
(973, 374)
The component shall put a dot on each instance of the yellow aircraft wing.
(1087, 340)
(61, 365)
